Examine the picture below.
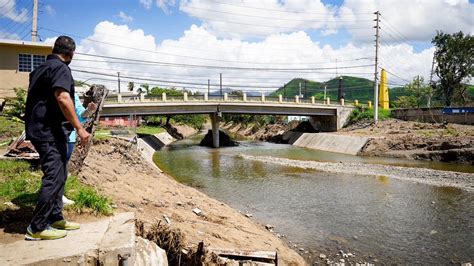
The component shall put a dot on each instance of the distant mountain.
(354, 88)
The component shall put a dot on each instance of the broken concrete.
(106, 242)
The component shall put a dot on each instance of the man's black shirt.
(44, 120)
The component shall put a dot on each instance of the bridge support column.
(215, 129)
(280, 98)
(244, 97)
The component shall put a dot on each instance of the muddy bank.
(420, 175)
(414, 140)
(116, 168)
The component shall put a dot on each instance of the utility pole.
(299, 95)
(376, 83)
(305, 91)
(432, 87)
(325, 86)
(208, 87)
(34, 25)
(118, 80)
(340, 90)
(220, 78)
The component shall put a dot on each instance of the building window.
(28, 62)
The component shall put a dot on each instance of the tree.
(418, 90)
(454, 58)
(131, 85)
(146, 87)
(15, 106)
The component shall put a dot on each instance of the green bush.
(360, 114)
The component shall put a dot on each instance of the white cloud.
(7, 35)
(294, 50)
(124, 17)
(9, 10)
(50, 10)
(146, 3)
(165, 4)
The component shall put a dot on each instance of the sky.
(257, 45)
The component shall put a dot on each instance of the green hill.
(355, 89)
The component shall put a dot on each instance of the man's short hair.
(64, 45)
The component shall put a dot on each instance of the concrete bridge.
(323, 115)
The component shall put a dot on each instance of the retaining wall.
(433, 115)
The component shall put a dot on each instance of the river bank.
(117, 169)
(420, 175)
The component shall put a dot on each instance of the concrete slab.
(332, 142)
(118, 243)
(79, 247)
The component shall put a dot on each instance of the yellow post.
(369, 104)
(356, 102)
(383, 91)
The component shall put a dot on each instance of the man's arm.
(67, 107)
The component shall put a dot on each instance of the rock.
(168, 221)
(278, 235)
(179, 203)
(433, 202)
(322, 256)
(432, 232)
(197, 211)
(350, 255)
(11, 206)
(376, 260)
(148, 253)
(342, 260)
(268, 226)
(355, 237)
(301, 249)
(248, 215)
(466, 264)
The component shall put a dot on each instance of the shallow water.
(390, 220)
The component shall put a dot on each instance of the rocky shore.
(419, 175)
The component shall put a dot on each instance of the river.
(375, 218)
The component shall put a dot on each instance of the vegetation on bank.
(10, 127)
(365, 114)
(20, 182)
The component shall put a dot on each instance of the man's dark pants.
(54, 166)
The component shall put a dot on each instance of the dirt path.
(135, 186)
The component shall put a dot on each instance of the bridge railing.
(117, 98)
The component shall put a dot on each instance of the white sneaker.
(67, 201)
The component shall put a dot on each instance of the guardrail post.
(142, 97)
(163, 97)
(244, 97)
(225, 97)
(312, 100)
(119, 98)
(369, 104)
(342, 101)
(356, 103)
(328, 100)
(297, 99)
(206, 97)
(263, 98)
(185, 96)
(280, 98)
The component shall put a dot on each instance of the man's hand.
(84, 136)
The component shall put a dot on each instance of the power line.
(222, 67)
(282, 11)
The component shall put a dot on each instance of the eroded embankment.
(420, 175)
(115, 167)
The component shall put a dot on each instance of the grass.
(9, 127)
(20, 182)
(149, 130)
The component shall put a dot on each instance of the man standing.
(50, 118)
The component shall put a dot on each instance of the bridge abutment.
(326, 123)
(215, 119)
